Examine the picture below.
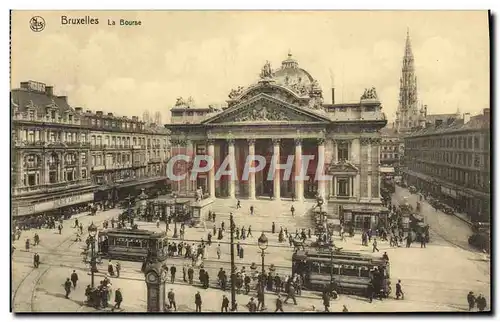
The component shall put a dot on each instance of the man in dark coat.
(291, 294)
(190, 274)
(471, 299)
(36, 260)
(197, 301)
(225, 304)
(252, 307)
(481, 303)
(173, 270)
(74, 278)
(118, 299)
(326, 300)
(273, 229)
(171, 299)
(399, 291)
(67, 287)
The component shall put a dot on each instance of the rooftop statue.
(236, 92)
(266, 71)
(369, 94)
(184, 103)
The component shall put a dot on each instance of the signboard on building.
(52, 204)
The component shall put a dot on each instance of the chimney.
(25, 85)
(49, 90)
(439, 122)
(78, 110)
(64, 98)
(110, 114)
(486, 112)
(98, 113)
(466, 118)
(89, 112)
(333, 95)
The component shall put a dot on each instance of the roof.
(387, 131)
(478, 122)
(432, 118)
(23, 99)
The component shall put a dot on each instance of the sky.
(127, 70)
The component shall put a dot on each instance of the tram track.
(51, 251)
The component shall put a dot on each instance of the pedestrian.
(326, 300)
(241, 252)
(481, 303)
(27, 244)
(251, 210)
(190, 274)
(74, 278)
(399, 291)
(252, 307)
(385, 257)
(291, 294)
(344, 309)
(292, 210)
(279, 304)
(422, 240)
(218, 251)
(118, 299)
(118, 267)
(225, 304)
(197, 301)
(238, 204)
(260, 299)
(171, 299)
(67, 287)
(249, 233)
(36, 260)
(111, 270)
(173, 270)
(471, 299)
(238, 246)
(273, 230)
(375, 245)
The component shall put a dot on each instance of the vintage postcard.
(250, 161)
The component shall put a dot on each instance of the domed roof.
(290, 73)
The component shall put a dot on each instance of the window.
(69, 176)
(31, 136)
(107, 140)
(476, 142)
(94, 161)
(31, 179)
(99, 141)
(93, 141)
(134, 140)
(84, 174)
(52, 176)
(343, 151)
(343, 187)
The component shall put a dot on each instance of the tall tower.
(158, 118)
(407, 115)
(145, 118)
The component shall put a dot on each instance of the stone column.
(251, 175)
(370, 169)
(20, 171)
(276, 158)
(211, 171)
(299, 183)
(321, 158)
(335, 187)
(232, 165)
(189, 183)
(357, 186)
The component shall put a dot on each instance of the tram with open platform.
(132, 244)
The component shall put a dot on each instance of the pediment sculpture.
(236, 92)
(369, 94)
(262, 113)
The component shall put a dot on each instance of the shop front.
(363, 218)
(55, 205)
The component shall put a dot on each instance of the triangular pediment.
(342, 167)
(264, 108)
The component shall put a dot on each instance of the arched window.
(31, 161)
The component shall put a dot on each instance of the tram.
(351, 272)
(132, 244)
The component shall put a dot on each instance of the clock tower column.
(156, 278)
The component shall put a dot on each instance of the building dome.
(290, 73)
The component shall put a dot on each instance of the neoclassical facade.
(283, 115)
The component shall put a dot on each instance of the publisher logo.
(37, 23)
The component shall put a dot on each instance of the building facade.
(451, 160)
(63, 157)
(50, 152)
(283, 115)
(126, 154)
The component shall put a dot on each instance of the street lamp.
(92, 233)
(263, 243)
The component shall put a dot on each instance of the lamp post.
(233, 276)
(263, 243)
(92, 233)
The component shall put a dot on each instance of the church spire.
(408, 99)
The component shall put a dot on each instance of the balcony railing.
(98, 168)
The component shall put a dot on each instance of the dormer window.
(31, 115)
